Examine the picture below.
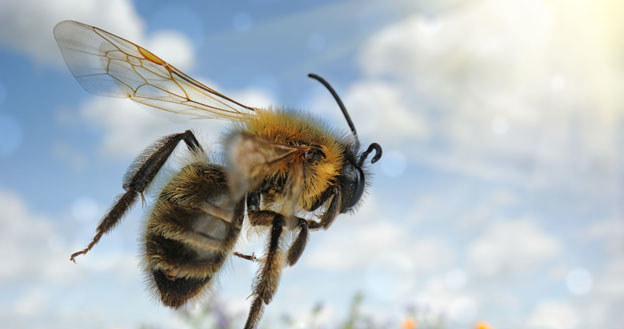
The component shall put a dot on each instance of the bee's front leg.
(327, 218)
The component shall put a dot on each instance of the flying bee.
(279, 167)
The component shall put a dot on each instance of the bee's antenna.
(339, 101)
(378, 152)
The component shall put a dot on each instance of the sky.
(498, 197)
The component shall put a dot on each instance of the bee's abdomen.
(175, 293)
(190, 232)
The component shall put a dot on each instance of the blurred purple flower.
(223, 322)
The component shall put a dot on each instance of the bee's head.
(352, 179)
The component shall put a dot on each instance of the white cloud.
(377, 242)
(173, 47)
(511, 248)
(33, 250)
(127, 127)
(27, 25)
(30, 247)
(553, 315)
(595, 297)
(486, 210)
(69, 155)
(85, 209)
(610, 232)
(30, 302)
(378, 110)
(607, 296)
(437, 300)
(381, 112)
(49, 291)
(525, 95)
(463, 309)
(609, 281)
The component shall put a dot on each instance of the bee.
(279, 167)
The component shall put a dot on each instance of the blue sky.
(498, 197)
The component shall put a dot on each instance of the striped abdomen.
(190, 232)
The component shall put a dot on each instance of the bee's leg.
(251, 257)
(261, 217)
(253, 206)
(327, 218)
(255, 313)
(268, 277)
(265, 218)
(296, 249)
(139, 176)
(258, 217)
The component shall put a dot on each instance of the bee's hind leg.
(138, 177)
(268, 277)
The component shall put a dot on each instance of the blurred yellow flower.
(483, 325)
(409, 323)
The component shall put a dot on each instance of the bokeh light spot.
(579, 281)
(10, 135)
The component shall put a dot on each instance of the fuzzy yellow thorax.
(292, 127)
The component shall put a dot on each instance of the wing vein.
(89, 50)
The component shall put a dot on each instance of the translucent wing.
(105, 64)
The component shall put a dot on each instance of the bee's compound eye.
(352, 186)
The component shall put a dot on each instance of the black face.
(352, 179)
(352, 182)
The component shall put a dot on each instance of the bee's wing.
(105, 64)
(249, 159)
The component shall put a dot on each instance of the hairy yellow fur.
(286, 127)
